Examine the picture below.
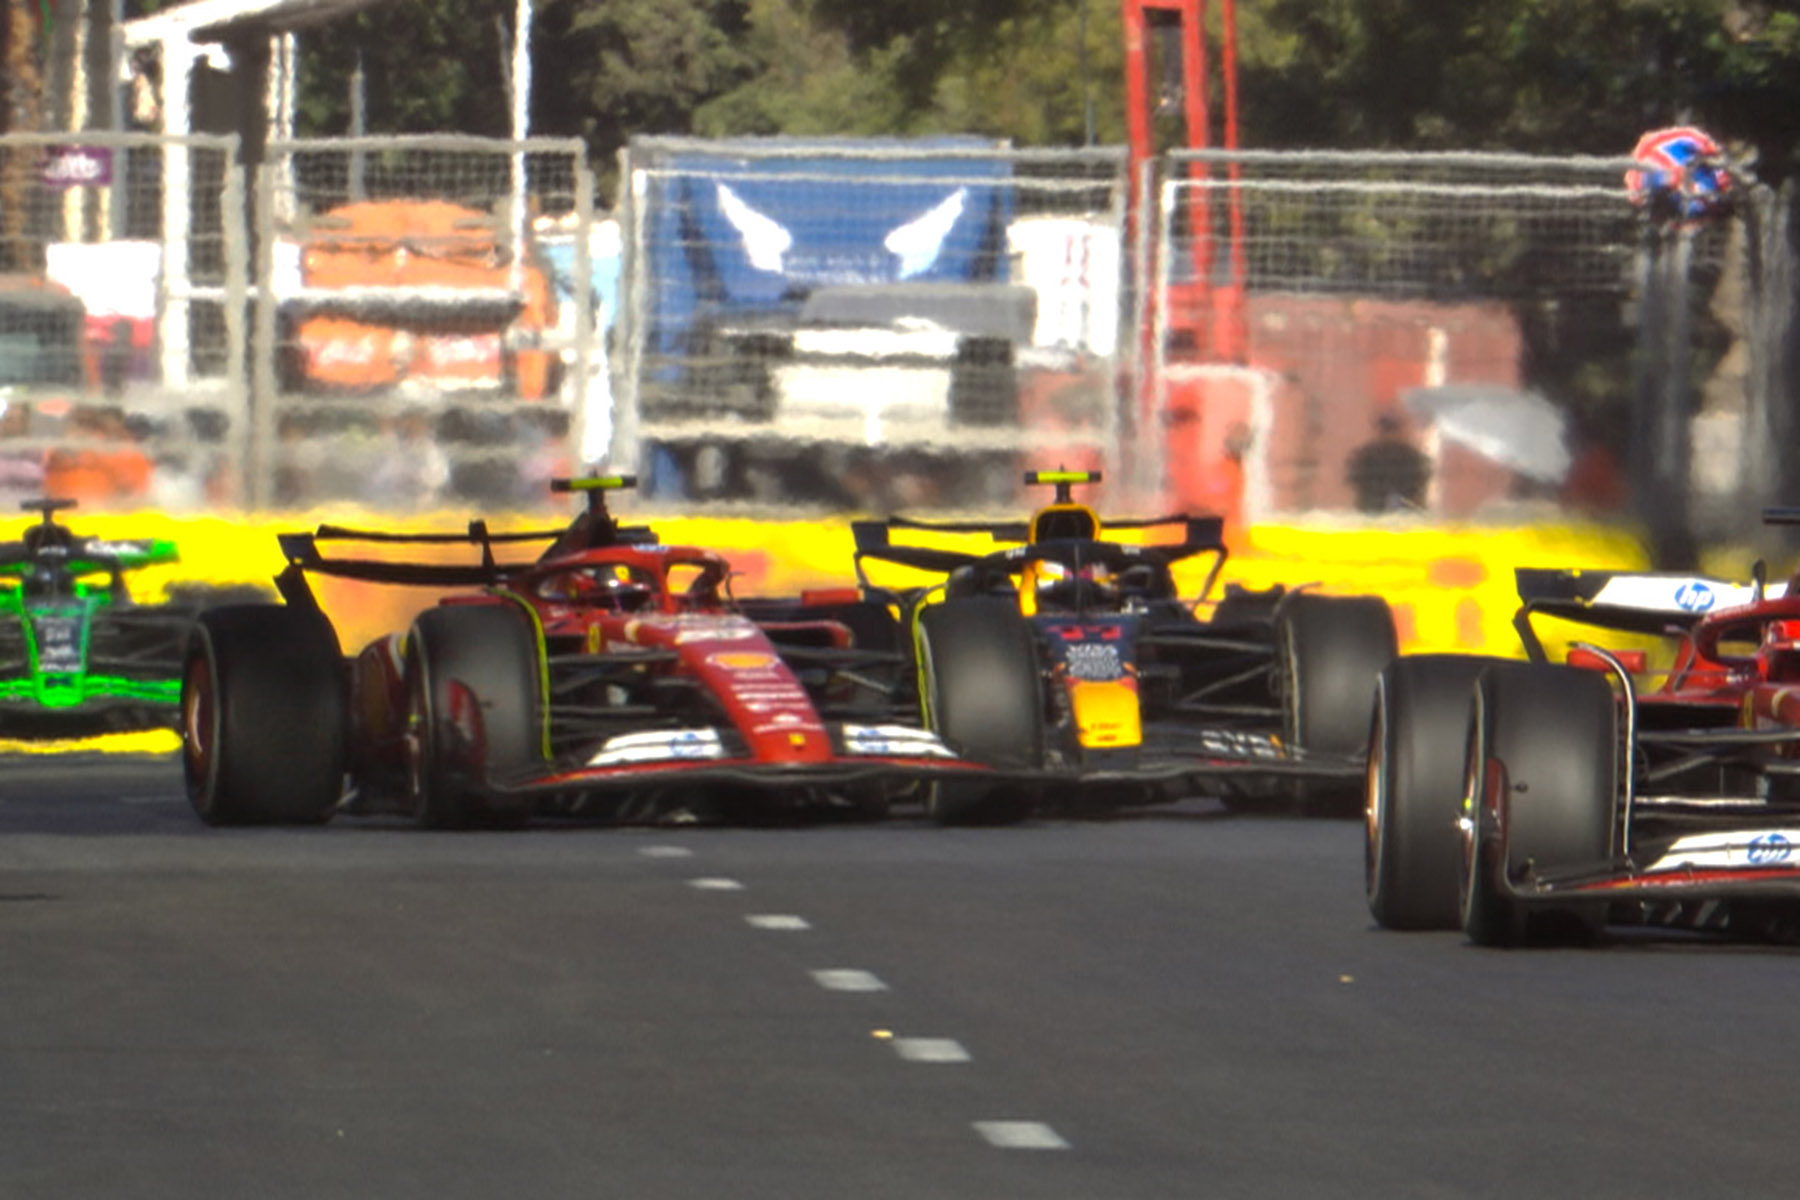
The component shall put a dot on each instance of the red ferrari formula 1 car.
(1527, 799)
(1067, 659)
(611, 676)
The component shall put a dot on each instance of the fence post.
(256, 435)
(580, 388)
(628, 341)
(233, 219)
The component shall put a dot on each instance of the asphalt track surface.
(1175, 1004)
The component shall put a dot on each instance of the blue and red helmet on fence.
(1680, 173)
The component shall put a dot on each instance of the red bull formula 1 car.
(610, 675)
(1519, 800)
(1067, 662)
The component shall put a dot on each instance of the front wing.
(1235, 763)
(84, 705)
(1209, 760)
(744, 772)
(1740, 864)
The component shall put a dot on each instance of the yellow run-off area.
(1451, 589)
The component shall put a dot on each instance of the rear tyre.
(264, 719)
(488, 655)
(1330, 650)
(984, 697)
(1541, 783)
(1414, 786)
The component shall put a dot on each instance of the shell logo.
(744, 662)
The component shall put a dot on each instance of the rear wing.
(1658, 603)
(594, 526)
(874, 540)
(305, 557)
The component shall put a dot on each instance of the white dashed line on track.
(930, 1050)
(665, 852)
(1020, 1135)
(848, 980)
(781, 922)
(714, 883)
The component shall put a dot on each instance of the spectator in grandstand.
(1388, 473)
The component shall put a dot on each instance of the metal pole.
(580, 389)
(256, 436)
(178, 58)
(359, 121)
(521, 129)
(1087, 84)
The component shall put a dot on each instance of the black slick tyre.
(1329, 651)
(983, 695)
(1541, 788)
(1413, 794)
(263, 716)
(489, 655)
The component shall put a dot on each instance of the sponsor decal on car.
(116, 549)
(663, 745)
(1694, 596)
(1094, 661)
(1237, 743)
(893, 741)
(717, 633)
(58, 642)
(1765, 848)
(1106, 713)
(1769, 849)
(743, 661)
(1687, 594)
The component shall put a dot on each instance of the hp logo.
(1694, 596)
(1769, 849)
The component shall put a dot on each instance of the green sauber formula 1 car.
(77, 656)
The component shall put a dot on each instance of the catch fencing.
(425, 323)
(445, 321)
(1439, 304)
(123, 277)
(1460, 336)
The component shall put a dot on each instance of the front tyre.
(1414, 790)
(263, 716)
(1330, 650)
(983, 694)
(1541, 793)
(473, 697)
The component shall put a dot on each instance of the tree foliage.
(1531, 75)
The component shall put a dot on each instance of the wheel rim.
(1375, 801)
(416, 738)
(1287, 694)
(199, 730)
(1469, 824)
(934, 719)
